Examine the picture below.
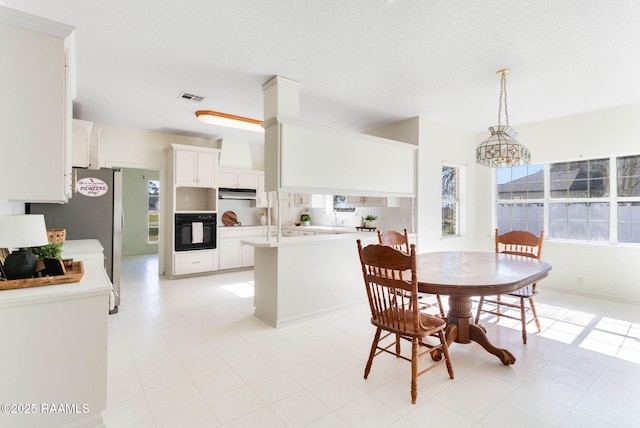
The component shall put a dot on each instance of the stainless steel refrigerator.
(92, 217)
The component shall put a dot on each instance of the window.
(596, 200)
(579, 193)
(628, 192)
(579, 221)
(450, 200)
(628, 221)
(341, 204)
(153, 213)
(520, 199)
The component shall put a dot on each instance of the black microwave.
(195, 231)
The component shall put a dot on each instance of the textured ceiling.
(360, 63)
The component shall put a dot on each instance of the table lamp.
(22, 232)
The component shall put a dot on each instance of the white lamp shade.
(20, 231)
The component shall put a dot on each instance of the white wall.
(602, 270)
(133, 148)
(439, 144)
(442, 144)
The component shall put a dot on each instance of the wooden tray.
(74, 274)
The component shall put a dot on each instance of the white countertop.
(323, 229)
(325, 238)
(93, 282)
(81, 246)
(243, 226)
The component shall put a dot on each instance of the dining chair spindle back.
(386, 271)
(521, 243)
(400, 241)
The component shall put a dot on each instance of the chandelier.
(502, 149)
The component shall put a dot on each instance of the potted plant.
(369, 219)
(52, 250)
(306, 220)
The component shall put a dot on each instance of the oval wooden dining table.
(464, 274)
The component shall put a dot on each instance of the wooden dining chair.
(400, 241)
(386, 270)
(397, 240)
(521, 243)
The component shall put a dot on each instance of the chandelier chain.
(503, 95)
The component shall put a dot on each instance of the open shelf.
(196, 199)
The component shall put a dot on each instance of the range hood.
(235, 154)
(231, 193)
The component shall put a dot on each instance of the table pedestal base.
(462, 329)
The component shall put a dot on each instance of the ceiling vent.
(190, 97)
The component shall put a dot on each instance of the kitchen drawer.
(188, 262)
(230, 232)
(255, 232)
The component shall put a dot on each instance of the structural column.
(281, 99)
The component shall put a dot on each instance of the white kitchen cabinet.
(85, 141)
(229, 246)
(196, 167)
(226, 179)
(302, 200)
(300, 231)
(233, 254)
(193, 172)
(284, 212)
(192, 262)
(289, 232)
(238, 179)
(247, 255)
(262, 197)
(307, 200)
(374, 201)
(371, 201)
(54, 350)
(80, 143)
(354, 201)
(206, 169)
(35, 112)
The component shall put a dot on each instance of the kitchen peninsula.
(303, 277)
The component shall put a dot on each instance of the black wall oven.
(195, 232)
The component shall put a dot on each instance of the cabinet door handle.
(195, 262)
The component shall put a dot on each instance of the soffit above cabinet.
(317, 159)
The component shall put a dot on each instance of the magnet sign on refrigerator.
(92, 187)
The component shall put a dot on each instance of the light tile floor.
(190, 353)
